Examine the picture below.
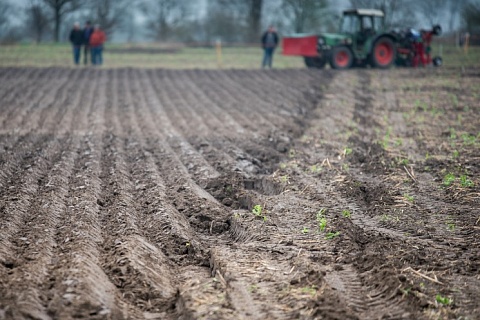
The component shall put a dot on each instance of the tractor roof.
(365, 12)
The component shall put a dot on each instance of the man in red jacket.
(97, 39)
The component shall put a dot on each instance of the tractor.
(362, 40)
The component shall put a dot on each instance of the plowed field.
(239, 194)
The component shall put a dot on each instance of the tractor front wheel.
(383, 53)
(341, 58)
(315, 62)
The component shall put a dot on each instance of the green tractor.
(362, 40)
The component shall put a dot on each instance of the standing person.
(97, 39)
(76, 38)
(87, 32)
(269, 43)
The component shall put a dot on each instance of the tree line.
(229, 20)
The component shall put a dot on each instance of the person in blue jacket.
(269, 43)
(76, 38)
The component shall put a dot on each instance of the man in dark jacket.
(76, 38)
(269, 43)
(87, 33)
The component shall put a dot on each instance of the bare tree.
(4, 14)
(471, 16)
(432, 10)
(305, 14)
(165, 16)
(37, 19)
(60, 8)
(229, 20)
(255, 18)
(110, 13)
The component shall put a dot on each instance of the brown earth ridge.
(239, 194)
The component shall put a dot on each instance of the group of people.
(91, 39)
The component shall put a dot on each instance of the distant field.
(155, 56)
(145, 56)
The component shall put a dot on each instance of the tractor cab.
(361, 25)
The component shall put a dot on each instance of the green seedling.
(321, 219)
(283, 166)
(252, 288)
(347, 151)
(453, 134)
(312, 290)
(257, 211)
(315, 168)
(451, 226)
(284, 179)
(345, 167)
(332, 235)
(291, 153)
(346, 213)
(443, 300)
(448, 179)
(305, 230)
(455, 154)
(465, 182)
(406, 291)
(468, 139)
(403, 162)
(384, 217)
(454, 99)
(408, 197)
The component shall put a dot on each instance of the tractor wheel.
(315, 62)
(383, 53)
(341, 58)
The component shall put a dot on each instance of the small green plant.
(315, 168)
(455, 154)
(312, 290)
(322, 224)
(406, 291)
(443, 300)
(451, 226)
(386, 138)
(465, 182)
(454, 99)
(252, 288)
(305, 230)
(347, 151)
(283, 166)
(346, 213)
(408, 197)
(448, 179)
(332, 235)
(284, 179)
(468, 139)
(403, 162)
(291, 153)
(345, 167)
(258, 211)
(384, 217)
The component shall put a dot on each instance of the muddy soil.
(239, 194)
